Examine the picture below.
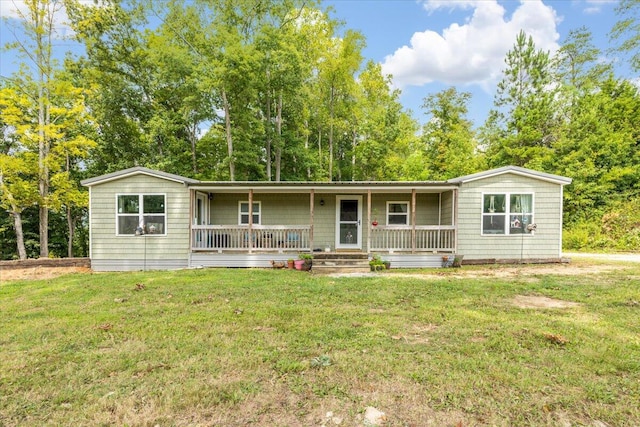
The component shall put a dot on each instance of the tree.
(37, 45)
(448, 137)
(524, 111)
(627, 31)
(18, 170)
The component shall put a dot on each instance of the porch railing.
(428, 238)
(274, 238)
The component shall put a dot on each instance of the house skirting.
(243, 260)
(138, 264)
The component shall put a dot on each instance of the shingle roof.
(136, 171)
(515, 170)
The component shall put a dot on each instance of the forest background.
(279, 90)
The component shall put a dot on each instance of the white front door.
(348, 222)
(201, 209)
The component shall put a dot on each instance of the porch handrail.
(270, 238)
(427, 238)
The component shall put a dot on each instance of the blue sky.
(429, 45)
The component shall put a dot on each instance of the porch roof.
(323, 187)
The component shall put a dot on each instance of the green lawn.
(283, 348)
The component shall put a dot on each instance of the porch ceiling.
(356, 187)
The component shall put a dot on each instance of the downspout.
(312, 196)
(413, 220)
(250, 230)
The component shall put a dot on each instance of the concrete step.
(340, 262)
(325, 269)
(340, 255)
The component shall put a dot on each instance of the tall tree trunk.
(17, 223)
(268, 126)
(279, 134)
(194, 139)
(353, 155)
(43, 176)
(331, 113)
(227, 121)
(320, 148)
(71, 225)
(306, 145)
(268, 129)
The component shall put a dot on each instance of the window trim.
(507, 212)
(141, 213)
(403, 202)
(240, 213)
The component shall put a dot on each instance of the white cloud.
(17, 10)
(594, 7)
(473, 51)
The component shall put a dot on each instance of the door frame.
(203, 216)
(358, 245)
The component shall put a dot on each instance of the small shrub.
(321, 361)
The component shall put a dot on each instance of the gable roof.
(138, 170)
(516, 170)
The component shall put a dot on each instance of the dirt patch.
(533, 301)
(526, 272)
(39, 273)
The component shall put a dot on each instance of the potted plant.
(387, 264)
(376, 264)
(290, 264)
(307, 261)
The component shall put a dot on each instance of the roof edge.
(137, 170)
(557, 179)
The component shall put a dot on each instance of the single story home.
(147, 219)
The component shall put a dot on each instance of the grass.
(283, 348)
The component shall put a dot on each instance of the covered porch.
(280, 220)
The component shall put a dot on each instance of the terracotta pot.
(290, 264)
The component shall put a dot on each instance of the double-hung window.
(506, 213)
(141, 214)
(397, 213)
(243, 214)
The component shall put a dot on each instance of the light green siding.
(112, 252)
(545, 244)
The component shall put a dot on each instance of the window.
(146, 211)
(397, 213)
(506, 213)
(243, 215)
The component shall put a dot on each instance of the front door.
(348, 222)
(201, 209)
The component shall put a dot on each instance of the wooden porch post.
(454, 220)
(369, 227)
(413, 220)
(250, 220)
(439, 243)
(312, 196)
